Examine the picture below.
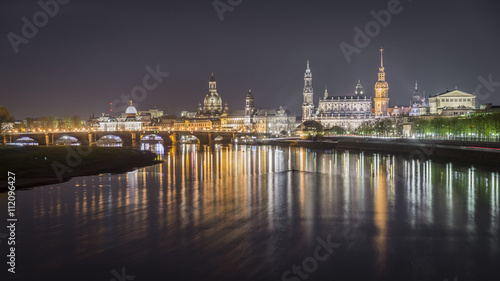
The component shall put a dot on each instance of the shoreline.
(33, 166)
(476, 153)
(27, 183)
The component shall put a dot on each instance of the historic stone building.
(452, 103)
(212, 116)
(348, 112)
(129, 121)
(212, 104)
(251, 119)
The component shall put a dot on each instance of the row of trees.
(477, 126)
(473, 126)
(387, 127)
(65, 123)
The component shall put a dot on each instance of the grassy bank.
(41, 165)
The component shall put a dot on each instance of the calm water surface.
(264, 213)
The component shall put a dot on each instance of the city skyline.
(95, 52)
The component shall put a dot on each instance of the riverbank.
(34, 166)
(467, 152)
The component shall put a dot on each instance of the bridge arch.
(110, 140)
(67, 140)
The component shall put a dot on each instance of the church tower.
(416, 95)
(249, 104)
(359, 92)
(381, 99)
(308, 105)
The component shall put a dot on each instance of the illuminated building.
(347, 112)
(212, 104)
(251, 119)
(381, 99)
(193, 124)
(416, 102)
(452, 103)
(154, 113)
(126, 122)
(212, 116)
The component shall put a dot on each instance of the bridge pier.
(210, 139)
(173, 138)
(134, 139)
(90, 139)
(47, 139)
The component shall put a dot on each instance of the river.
(263, 213)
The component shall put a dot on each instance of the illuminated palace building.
(129, 121)
(348, 112)
(214, 116)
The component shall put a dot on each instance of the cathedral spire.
(381, 73)
(308, 70)
(326, 92)
(381, 59)
(416, 85)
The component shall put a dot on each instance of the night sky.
(91, 52)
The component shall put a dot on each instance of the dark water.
(242, 213)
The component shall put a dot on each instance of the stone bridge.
(129, 138)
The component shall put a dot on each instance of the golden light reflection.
(380, 215)
(212, 189)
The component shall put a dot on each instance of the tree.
(336, 130)
(77, 121)
(66, 123)
(5, 118)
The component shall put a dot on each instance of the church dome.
(381, 84)
(212, 99)
(131, 110)
(249, 95)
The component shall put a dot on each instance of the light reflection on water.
(251, 212)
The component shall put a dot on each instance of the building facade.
(154, 113)
(212, 116)
(194, 124)
(129, 121)
(452, 103)
(348, 112)
(251, 119)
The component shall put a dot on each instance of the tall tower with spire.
(249, 104)
(308, 105)
(381, 99)
(359, 93)
(416, 95)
